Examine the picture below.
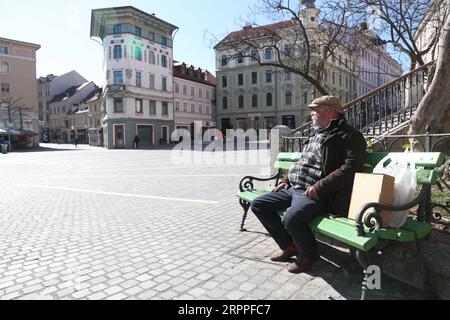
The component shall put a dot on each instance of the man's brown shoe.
(284, 256)
(301, 265)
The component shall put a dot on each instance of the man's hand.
(282, 186)
(311, 193)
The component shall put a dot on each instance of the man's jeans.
(293, 228)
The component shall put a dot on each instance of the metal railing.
(387, 107)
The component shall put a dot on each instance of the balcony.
(116, 88)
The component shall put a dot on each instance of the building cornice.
(99, 16)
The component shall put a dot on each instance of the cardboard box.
(372, 188)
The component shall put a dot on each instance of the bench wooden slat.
(427, 177)
(249, 196)
(344, 233)
(283, 165)
(420, 229)
(289, 156)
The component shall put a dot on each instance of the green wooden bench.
(365, 237)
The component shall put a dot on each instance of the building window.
(138, 53)
(287, 50)
(164, 41)
(224, 81)
(185, 107)
(200, 109)
(117, 52)
(224, 60)
(268, 76)
(177, 106)
(241, 102)
(192, 108)
(207, 109)
(118, 78)
(151, 57)
(225, 103)
(152, 82)
(177, 87)
(139, 106)
(165, 109)
(117, 29)
(164, 61)
(255, 101)
(200, 93)
(288, 98)
(4, 87)
(118, 105)
(137, 31)
(288, 76)
(4, 67)
(269, 100)
(164, 84)
(240, 79)
(240, 59)
(268, 54)
(138, 79)
(254, 55)
(254, 77)
(152, 107)
(207, 94)
(185, 90)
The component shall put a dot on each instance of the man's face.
(322, 116)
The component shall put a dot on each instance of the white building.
(49, 87)
(375, 66)
(138, 95)
(62, 106)
(195, 94)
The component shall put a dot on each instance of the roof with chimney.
(249, 32)
(189, 72)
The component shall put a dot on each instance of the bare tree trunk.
(434, 109)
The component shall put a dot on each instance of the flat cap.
(330, 101)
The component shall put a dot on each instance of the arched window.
(269, 100)
(4, 67)
(225, 103)
(288, 98)
(255, 101)
(241, 102)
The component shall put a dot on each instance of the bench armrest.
(246, 183)
(370, 217)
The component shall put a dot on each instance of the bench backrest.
(427, 160)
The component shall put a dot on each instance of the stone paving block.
(97, 296)
(147, 295)
(81, 294)
(133, 291)
(113, 290)
(10, 296)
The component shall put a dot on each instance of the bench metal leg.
(246, 206)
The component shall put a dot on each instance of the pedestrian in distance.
(75, 142)
(136, 142)
(320, 183)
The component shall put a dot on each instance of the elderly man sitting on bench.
(320, 183)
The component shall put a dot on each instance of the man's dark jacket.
(343, 154)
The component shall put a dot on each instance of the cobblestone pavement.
(97, 224)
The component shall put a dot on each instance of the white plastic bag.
(404, 171)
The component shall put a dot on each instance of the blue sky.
(62, 28)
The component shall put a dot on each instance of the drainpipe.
(173, 85)
(276, 96)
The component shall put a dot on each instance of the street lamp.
(7, 106)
